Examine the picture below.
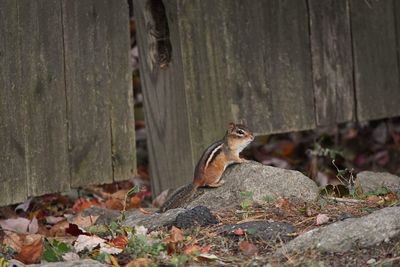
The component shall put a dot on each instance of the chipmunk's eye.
(240, 132)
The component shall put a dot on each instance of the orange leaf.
(135, 202)
(176, 235)
(192, 250)
(282, 203)
(206, 249)
(114, 204)
(31, 249)
(81, 204)
(248, 248)
(120, 241)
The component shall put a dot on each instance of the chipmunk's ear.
(231, 126)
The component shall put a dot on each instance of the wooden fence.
(277, 65)
(66, 105)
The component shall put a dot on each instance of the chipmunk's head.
(238, 137)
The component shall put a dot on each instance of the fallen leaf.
(70, 256)
(282, 203)
(238, 231)
(73, 230)
(20, 225)
(87, 242)
(59, 229)
(206, 249)
(29, 247)
(54, 220)
(84, 221)
(208, 256)
(107, 248)
(114, 204)
(248, 248)
(120, 241)
(322, 219)
(139, 262)
(192, 250)
(82, 204)
(135, 201)
(24, 206)
(176, 235)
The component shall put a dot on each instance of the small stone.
(368, 182)
(371, 261)
(198, 216)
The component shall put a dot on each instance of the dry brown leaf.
(29, 247)
(248, 248)
(139, 262)
(134, 202)
(192, 250)
(82, 204)
(114, 204)
(59, 229)
(322, 219)
(282, 203)
(120, 241)
(84, 221)
(175, 235)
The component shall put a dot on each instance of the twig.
(348, 200)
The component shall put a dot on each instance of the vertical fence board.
(166, 112)
(288, 70)
(375, 59)
(87, 91)
(12, 140)
(44, 90)
(203, 59)
(121, 94)
(332, 61)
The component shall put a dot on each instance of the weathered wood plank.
(332, 61)
(89, 130)
(288, 65)
(12, 110)
(166, 111)
(44, 92)
(208, 94)
(247, 61)
(121, 94)
(375, 59)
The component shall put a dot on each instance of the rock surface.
(263, 181)
(198, 216)
(152, 221)
(83, 263)
(263, 230)
(355, 232)
(368, 181)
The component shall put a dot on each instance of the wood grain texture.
(44, 94)
(375, 59)
(166, 111)
(288, 65)
(121, 92)
(12, 110)
(87, 83)
(332, 61)
(248, 62)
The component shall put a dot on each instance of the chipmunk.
(212, 164)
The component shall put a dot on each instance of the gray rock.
(264, 230)
(83, 263)
(368, 181)
(354, 232)
(259, 179)
(198, 216)
(151, 221)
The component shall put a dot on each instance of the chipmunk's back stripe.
(213, 154)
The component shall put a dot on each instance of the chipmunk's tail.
(178, 197)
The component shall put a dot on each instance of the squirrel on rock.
(212, 164)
